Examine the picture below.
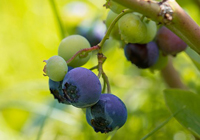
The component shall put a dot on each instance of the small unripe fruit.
(56, 68)
(131, 28)
(168, 42)
(151, 31)
(142, 55)
(70, 45)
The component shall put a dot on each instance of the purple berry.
(56, 89)
(169, 42)
(107, 114)
(81, 87)
(142, 55)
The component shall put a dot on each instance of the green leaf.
(195, 57)
(189, 102)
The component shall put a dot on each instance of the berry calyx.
(108, 114)
(81, 87)
(56, 89)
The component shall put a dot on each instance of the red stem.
(81, 51)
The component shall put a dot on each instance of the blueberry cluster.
(74, 85)
(81, 88)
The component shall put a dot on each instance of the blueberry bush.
(112, 69)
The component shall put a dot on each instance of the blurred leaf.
(189, 117)
(194, 57)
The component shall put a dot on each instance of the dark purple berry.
(169, 42)
(142, 55)
(56, 89)
(81, 87)
(108, 114)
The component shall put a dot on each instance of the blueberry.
(142, 55)
(56, 89)
(108, 114)
(81, 87)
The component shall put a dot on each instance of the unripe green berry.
(70, 45)
(56, 68)
(132, 29)
(151, 31)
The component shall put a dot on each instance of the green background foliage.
(29, 34)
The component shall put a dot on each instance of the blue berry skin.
(81, 87)
(69, 68)
(56, 89)
(142, 55)
(108, 114)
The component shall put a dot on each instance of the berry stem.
(104, 86)
(95, 67)
(105, 78)
(111, 27)
(101, 60)
(86, 50)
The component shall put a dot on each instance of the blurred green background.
(29, 34)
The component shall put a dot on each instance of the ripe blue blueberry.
(142, 55)
(81, 87)
(108, 114)
(56, 89)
